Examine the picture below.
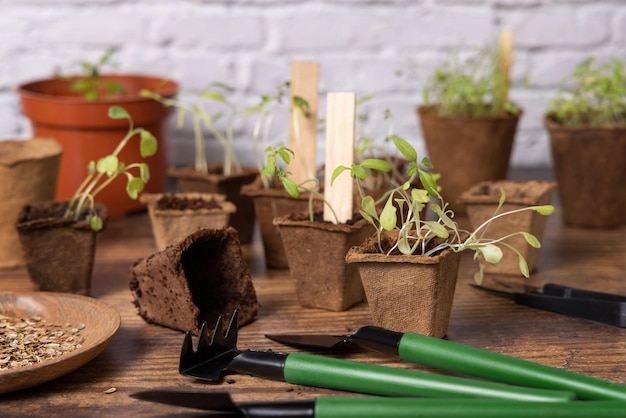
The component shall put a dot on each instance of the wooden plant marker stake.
(505, 51)
(340, 127)
(303, 128)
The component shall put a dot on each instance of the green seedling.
(595, 95)
(277, 158)
(470, 87)
(404, 205)
(195, 106)
(90, 84)
(102, 172)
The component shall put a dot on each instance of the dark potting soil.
(494, 190)
(182, 203)
(319, 217)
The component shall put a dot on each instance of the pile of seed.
(26, 341)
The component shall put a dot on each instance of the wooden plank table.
(143, 356)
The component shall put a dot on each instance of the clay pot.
(29, 170)
(175, 216)
(243, 220)
(87, 133)
(467, 150)
(316, 254)
(407, 293)
(481, 202)
(271, 203)
(590, 169)
(59, 252)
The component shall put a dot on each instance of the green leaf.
(420, 195)
(502, 197)
(437, 229)
(523, 266)
(336, 172)
(544, 210)
(148, 145)
(403, 245)
(134, 186)
(388, 217)
(405, 148)
(492, 253)
(213, 95)
(95, 223)
(366, 216)
(369, 206)
(144, 172)
(447, 221)
(291, 187)
(429, 181)
(531, 240)
(358, 172)
(376, 164)
(108, 165)
(118, 112)
(285, 154)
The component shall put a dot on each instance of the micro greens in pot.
(595, 95)
(471, 87)
(404, 205)
(106, 169)
(275, 157)
(90, 84)
(201, 118)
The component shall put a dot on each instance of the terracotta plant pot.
(467, 150)
(316, 253)
(243, 220)
(176, 216)
(195, 281)
(29, 170)
(590, 169)
(481, 202)
(407, 293)
(59, 252)
(87, 133)
(270, 203)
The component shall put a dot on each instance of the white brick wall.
(360, 44)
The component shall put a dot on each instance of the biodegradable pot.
(243, 220)
(29, 170)
(87, 133)
(407, 293)
(175, 216)
(59, 252)
(590, 169)
(270, 203)
(481, 202)
(195, 281)
(316, 253)
(467, 150)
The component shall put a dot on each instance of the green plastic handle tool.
(471, 361)
(343, 407)
(340, 374)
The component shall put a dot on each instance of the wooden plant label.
(340, 127)
(505, 50)
(303, 128)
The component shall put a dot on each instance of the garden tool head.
(213, 355)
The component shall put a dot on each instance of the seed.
(110, 390)
(26, 341)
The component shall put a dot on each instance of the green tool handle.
(358, 407)
(471, 361)
(333, 373)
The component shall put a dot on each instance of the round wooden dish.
(101, 324)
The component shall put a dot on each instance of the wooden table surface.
(143, 356)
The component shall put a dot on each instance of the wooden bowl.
(101, 323)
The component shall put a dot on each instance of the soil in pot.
(59, 252)
(175, 216)
(316, 254)
(243, 220)
(28, 173)
(195, 281)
